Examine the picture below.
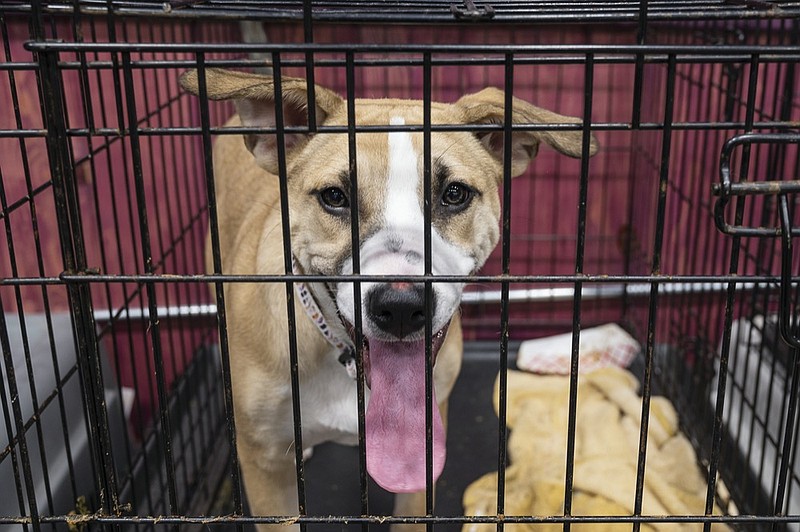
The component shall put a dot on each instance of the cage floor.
(332, 480)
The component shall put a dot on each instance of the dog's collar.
(341, 342)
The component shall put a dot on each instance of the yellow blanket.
(606, 453)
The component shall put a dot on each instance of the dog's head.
(466, 169)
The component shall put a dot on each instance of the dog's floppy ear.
(487, 107)
(254, 97)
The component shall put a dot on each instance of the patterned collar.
(341, 342)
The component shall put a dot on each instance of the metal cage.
(116, 391)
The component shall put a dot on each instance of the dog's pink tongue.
(395, 419)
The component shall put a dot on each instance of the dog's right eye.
(333, 198)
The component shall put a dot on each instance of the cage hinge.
(469, 11)
(783, 229)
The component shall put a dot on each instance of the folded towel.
(598, 347)
(606, 453)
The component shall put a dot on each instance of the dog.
(466, 169)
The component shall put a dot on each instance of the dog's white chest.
(329, 405)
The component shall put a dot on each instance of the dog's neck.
(321, 310)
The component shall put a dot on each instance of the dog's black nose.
(397, 308)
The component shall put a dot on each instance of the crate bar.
(439, 12)
(147, 255)
(156, 440)
(114, 67)
(487, 56)
(664, 174)
(198, 165)
(34, 395)
(786, 126)
(786, 333)
(74, 258)
(785, 312)
(705, 53)
(555, 192)
(792, 478)
(757, 498)
(692, 193)
(776, 161)
(291, 318)
(16, 412)
(428, 288)
(128, 199)
(219, 292)
(5, 208)
(492, 55)
(12, 392)
(178, 435)
(177, 236)
(576, 306)
(12, 66)
(716, 438)
(89, 120)
(352, 157)
(308, 38)
(638, 76)
(715, 106)
(71, 278)
(554, 58)
(502, 424)
(211, 522)
(750, 188)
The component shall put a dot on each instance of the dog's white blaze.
(401, 205)
(403, 208)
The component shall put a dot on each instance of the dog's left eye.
(334, 198)
(456, 195)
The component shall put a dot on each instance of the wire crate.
(116, 395)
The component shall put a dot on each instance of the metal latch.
(783, 229)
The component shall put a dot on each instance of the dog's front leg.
(270, 482)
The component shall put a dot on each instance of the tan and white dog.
(466, 171)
